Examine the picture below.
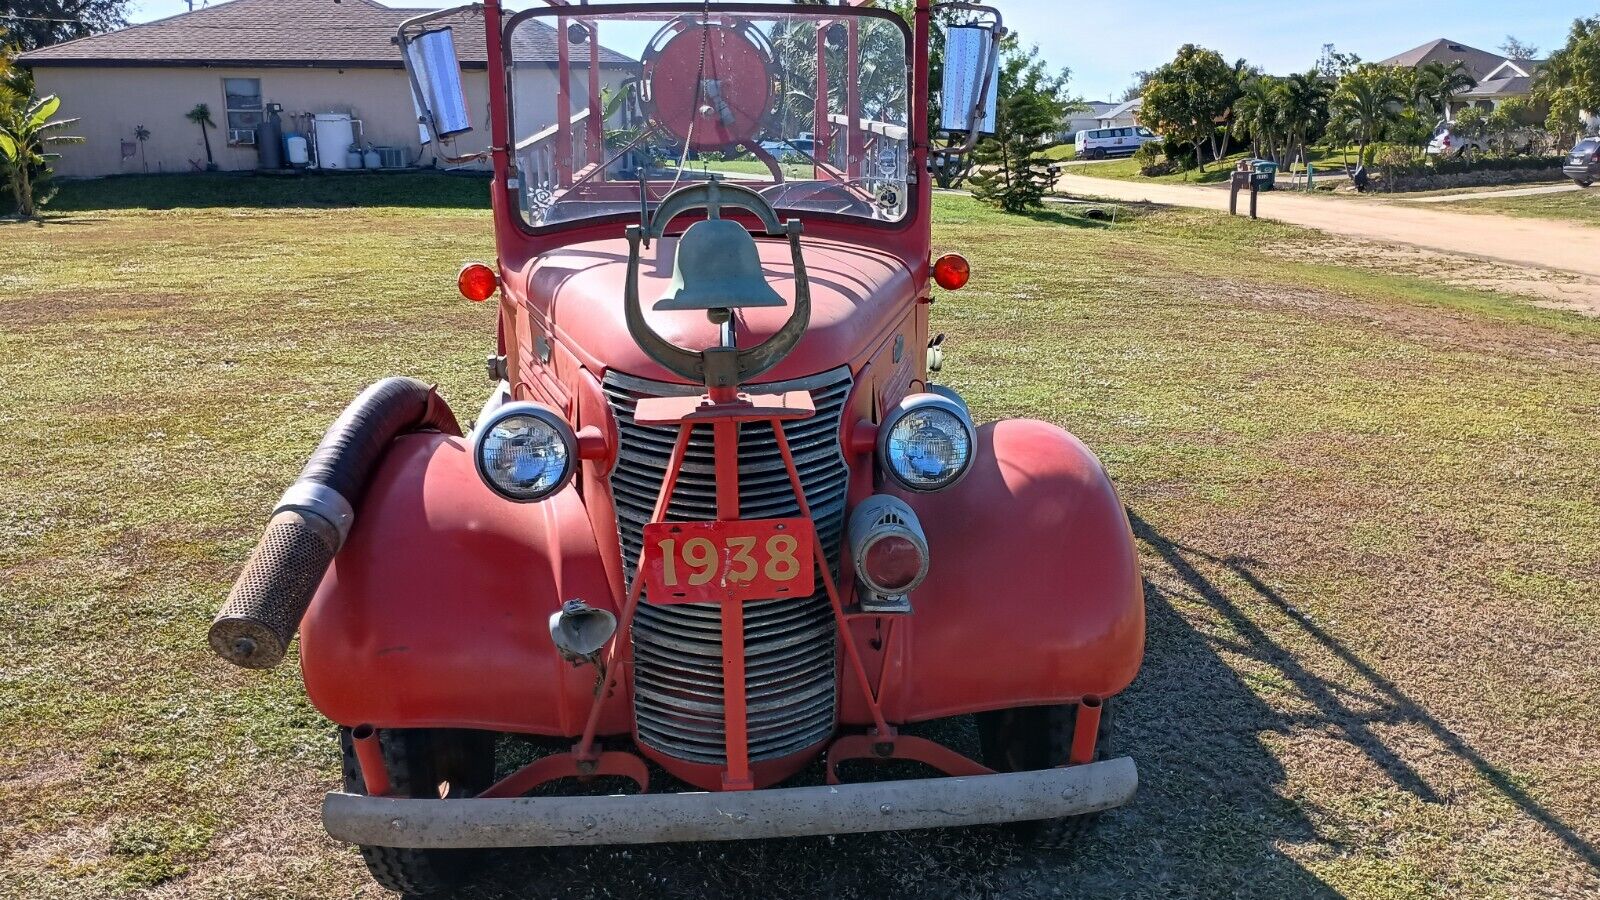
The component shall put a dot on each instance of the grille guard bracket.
(725, 411)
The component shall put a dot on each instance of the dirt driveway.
(1522, 242)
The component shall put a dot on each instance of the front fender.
(1033, 593)
(434, 612)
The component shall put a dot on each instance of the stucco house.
(1499, 78)
(309, 56)
(1085, 118)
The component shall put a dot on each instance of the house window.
(242, 100)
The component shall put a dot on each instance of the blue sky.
(1105, 41)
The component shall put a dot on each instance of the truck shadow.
(1349, 706)
(1214, 815)
(1211, 817)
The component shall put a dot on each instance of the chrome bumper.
(741, 815)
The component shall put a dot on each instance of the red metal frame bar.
(725, 437)
(1085, 729)
(570, 765)
(866, 746)
(597, 146)
(369, 756)
(563, 110)
(820, 138)
(852, 99)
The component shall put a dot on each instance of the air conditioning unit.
(393, 157)
(245, 136)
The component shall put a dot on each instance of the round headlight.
(524, 451)
(926, 443)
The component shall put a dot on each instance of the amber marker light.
(951, 271)
(477, 282)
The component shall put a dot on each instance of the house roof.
(1478, 63)
(1516, 67)
(317, 33)
(1513, 86)
(1132, 106)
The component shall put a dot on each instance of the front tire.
(1039, 737)
(424, 763)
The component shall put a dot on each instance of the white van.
(1100, 143)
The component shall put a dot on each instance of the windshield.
(613, 110)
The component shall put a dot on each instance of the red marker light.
(477, 282)
(951, 271)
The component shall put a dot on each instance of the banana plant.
(27, 131)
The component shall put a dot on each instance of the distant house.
(1086, 118)
(1513, 78)
(1499, 78)
(309, 56)
(1122, 115)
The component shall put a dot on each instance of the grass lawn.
(1368, 510)
(1062, 152)
(1572, 206)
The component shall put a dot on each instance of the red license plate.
(734, 561)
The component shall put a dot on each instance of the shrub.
(1152, 162)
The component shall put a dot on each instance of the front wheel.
(1583, 182)
(433, 763)
(1039, 737)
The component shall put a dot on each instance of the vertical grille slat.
(789, 644)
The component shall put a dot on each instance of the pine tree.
(1010, 169)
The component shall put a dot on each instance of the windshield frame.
(913, 210)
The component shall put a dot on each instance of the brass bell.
(717, 267)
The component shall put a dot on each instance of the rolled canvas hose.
(313, 518)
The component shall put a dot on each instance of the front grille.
(789, 644)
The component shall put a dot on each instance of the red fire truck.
(716, 527)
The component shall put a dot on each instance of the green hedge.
(1486, 164)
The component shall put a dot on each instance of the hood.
(857, 294)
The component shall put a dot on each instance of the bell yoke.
(707, 541)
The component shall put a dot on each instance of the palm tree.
(1305, 109)
(26, 133)
(1367, 98)
(1437, 82)
(1243, 73)
(1256, 115)
(201, 115)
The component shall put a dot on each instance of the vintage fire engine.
(715, 526)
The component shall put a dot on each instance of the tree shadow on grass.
(1209, 819)
(1334, 701)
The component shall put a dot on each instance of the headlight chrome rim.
(920, 403)
(542, 413)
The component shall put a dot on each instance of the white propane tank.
(352, 159)
(299, 149)
(372, 159)
(335, 133)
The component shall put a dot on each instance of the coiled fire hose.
(314, 517)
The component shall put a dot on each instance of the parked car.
(1103, 143)
(796, 149)
(1448, 140)
(1583, 163)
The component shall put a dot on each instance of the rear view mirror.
(971, 80)
(970, 93)
(436, 91)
